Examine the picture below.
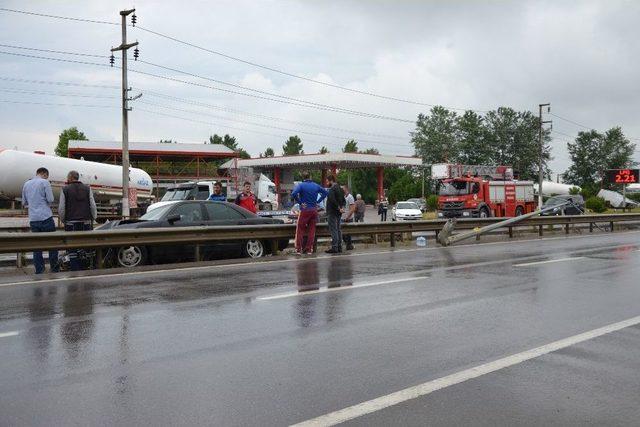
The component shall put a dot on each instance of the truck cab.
(463, 197)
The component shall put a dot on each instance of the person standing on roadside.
(247, 199)
(335, 208)
(217, 195)
(77, 210)
(361, 207)
(349, 215)
(382, 210)
(308, 195)
(37, 197)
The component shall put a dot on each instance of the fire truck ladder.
(488, 171)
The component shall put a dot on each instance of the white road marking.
(429, 387)
(240, 264)
(9, 334)
(340, 288)
(550, 261)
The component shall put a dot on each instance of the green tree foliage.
(269, 152)
(230, 142)
(62, 149)
(406, 187)
(432, 202)
(593, 152)
(292, 146)
(350, 147)
(323, 150)
(596, 204)
(502, 137)
(574, 191)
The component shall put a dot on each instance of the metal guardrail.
(16, 242)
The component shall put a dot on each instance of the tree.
(435, 136)
(292, 146)
(593, 152)
(229, 142)
(269, 152)
(323, 150)
(350, 147)
(62, 149)
(472, 139)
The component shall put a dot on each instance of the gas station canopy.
(330, 161)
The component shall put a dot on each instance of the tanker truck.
(16, 167)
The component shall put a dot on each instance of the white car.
(406, 211)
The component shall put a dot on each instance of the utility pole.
(125, 109)
(541, 159)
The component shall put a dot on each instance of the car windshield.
(407, 205)
(454, 188)
(177, 194)
(156, 213)
(555, 201)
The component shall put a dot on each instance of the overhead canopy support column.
(380, 183)
(276, 181)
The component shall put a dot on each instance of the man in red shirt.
(247, 199)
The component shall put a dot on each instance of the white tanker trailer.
(550, 188)
(105, 180)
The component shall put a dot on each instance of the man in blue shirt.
(308, 195)
(217, 195)
(37, 197)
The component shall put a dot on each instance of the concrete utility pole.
(125, 109)
(541, 159)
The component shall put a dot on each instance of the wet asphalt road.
(240, 345)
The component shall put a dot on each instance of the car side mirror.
(173, 218)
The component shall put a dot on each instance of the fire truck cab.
(474, 191)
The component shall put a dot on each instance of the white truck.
(263, 188)
(16, 167)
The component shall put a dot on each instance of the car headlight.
(440, 214)
(466, 213)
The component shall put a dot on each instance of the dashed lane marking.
(429, 387)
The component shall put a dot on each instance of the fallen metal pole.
(445, 238)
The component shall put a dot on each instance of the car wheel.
(131, 256)
(253, 249)
(484, 213)
(519, 211)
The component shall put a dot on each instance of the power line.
(62, 52)
(282, 101)
(343, 138)
(587, 127)
(44, 15)
(265, 117)
(9, 101)
(56, 83)
(282, 137)
(49, 93)
(244, 61)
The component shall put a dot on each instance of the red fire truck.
(477, 191)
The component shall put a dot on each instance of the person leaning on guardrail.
(349, 215)
(308, 195)
(335, 208)
(77, 210)
(37, 197)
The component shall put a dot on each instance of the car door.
(220, 213)
(191, 214)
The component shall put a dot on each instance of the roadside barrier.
(13, 240)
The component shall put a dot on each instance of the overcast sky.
(583, 57)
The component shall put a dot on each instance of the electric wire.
(56, 83)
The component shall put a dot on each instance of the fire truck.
(478, 191)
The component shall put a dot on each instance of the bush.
(432, 202)
(596, 204)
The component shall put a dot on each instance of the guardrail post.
(566, 228)
(19, 260)
(274, 247)
(99, 258)
(540, 230)
(611, 224)
(315, 244)
(590, 227)
(392, 240)
(197, 253)
(511, 232)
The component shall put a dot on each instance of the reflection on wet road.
(280, 342)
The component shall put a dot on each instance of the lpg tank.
(105, 180)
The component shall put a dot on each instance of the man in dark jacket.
(335, 208)
(77, 210)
